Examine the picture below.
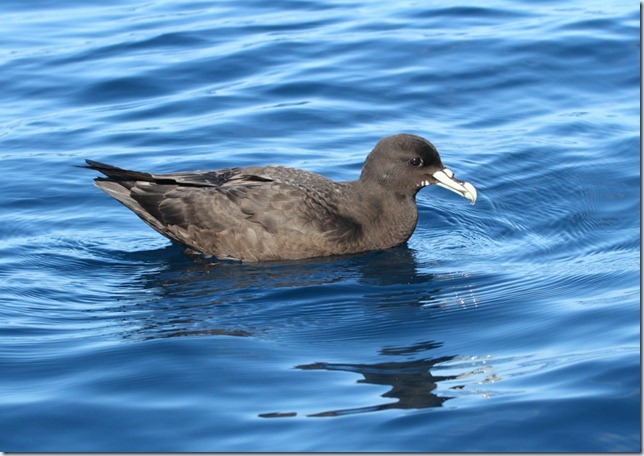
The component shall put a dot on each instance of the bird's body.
(276, 212)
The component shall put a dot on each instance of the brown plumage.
(276, 212)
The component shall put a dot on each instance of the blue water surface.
(510, 325)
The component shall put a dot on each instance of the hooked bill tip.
(471, 193)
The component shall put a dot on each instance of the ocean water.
(510, 325)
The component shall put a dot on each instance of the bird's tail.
(124, 177)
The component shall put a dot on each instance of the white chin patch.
(424, 183)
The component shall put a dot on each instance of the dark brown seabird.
(281, 213)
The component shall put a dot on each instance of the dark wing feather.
(187, 179)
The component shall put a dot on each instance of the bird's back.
(252, 214)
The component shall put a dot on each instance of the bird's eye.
(416, 161)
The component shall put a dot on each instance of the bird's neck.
(391, 217)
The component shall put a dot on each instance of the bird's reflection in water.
(193, 298)
(283, 301)
(412, 384)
